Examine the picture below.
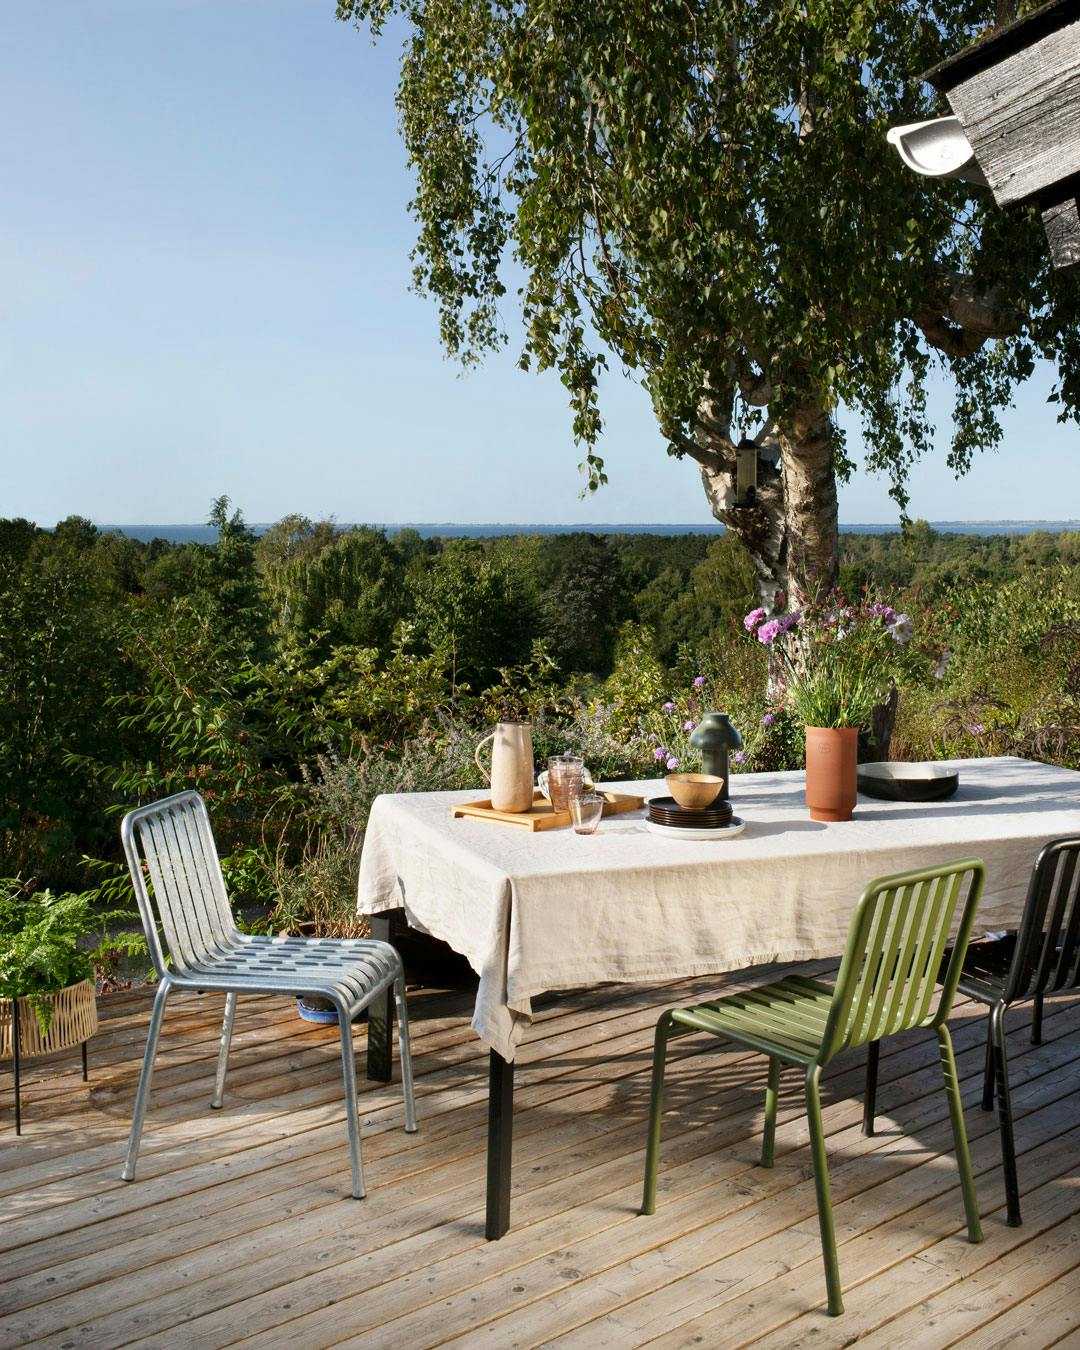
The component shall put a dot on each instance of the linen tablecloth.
(554, 910)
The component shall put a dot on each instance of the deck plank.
(238, 1229)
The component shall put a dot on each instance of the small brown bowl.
(694, 790)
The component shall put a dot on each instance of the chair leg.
(956, 1116)
(1036, 1020)
(352, 1114)
(988, 1071)
(821, 1183)
(223, 1052)
(1005, 1123)
(873, 1054)
(768, 1137)
(656, 1111)
(405, 1053)
(142, 1096)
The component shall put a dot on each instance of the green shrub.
(43, 944)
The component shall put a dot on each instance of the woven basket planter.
(74, 1020)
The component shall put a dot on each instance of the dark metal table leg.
(380, 1012)
(15, 1061)
(500, 1144)
(85, 1066)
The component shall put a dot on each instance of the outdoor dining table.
(548, 910)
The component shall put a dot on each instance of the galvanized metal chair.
(886, 984)
(178, 883)
(1042, 957)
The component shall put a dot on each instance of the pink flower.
(688, 725)
(672, 763)
(749, 623)
(659, 752)
(768, 719)
(769, 631)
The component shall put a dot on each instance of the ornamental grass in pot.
(837, 663)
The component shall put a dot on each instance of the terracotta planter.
(831, 758)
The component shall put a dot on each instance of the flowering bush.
(838, 661)
(668, 733)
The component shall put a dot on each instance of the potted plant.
(47, 969)
(837, 663)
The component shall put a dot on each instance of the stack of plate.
(666, 816)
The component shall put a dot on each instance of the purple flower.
(659, 752)
(688, 725)
(977, 728)
(669, 706)
(774, 628)
(768, 631)
(749, 623)
(672, 763)
(885, 612)
(740, 757)
(699, 681)
(768, 719)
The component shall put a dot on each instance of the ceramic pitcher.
(511, 775)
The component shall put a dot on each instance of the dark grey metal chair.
(1042, 957)
(178, 884)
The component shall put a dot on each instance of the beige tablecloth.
(553, 910)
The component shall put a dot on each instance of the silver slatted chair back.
(178, 882)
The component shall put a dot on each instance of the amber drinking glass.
(565, 776)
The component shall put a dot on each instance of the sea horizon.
(182, 533)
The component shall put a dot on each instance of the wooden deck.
(239, 1230)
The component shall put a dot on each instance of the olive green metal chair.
(886, 984)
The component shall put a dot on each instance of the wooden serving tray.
(542, 815)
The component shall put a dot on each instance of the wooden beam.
(1021, 116)
(1001, 43)
(1062, 225)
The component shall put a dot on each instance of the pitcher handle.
(476, 756)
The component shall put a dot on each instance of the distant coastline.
(205, 534)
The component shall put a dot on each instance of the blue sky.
(204, 251)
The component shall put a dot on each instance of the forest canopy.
(291, 676)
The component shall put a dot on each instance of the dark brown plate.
(667, 811)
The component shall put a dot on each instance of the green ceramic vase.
(716, 738)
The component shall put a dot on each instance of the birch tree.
(704, 189)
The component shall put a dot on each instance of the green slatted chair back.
(887, 981)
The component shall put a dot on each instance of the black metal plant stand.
(15, 1065)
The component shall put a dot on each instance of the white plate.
(728, 831)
